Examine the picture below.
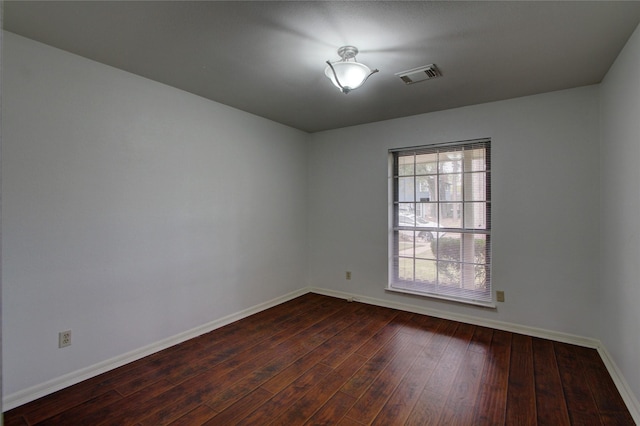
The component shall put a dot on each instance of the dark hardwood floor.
(322, 360)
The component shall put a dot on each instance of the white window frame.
(447, 236)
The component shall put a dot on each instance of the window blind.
(441, 244)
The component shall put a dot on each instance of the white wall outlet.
(64, 339)
(348, 275)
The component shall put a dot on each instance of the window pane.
(467, 276)
(479, 248)
(404, 210)
(474, 186)
(448, 246)
(405, 243)
(449, 274)
(451, 187)
(475, 215)
(481, 275)
(424, 247)
(426, 164)
(405, 269)
(450, 162)
(451, 215)
(405, 189)
(476, 160)
(426, 188)
(428, 212)
(426, 271)
(405, 165)
(406, 219)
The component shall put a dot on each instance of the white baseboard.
(468, 319)
(623, 387)
(30, 394)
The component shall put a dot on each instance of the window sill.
(489, 305)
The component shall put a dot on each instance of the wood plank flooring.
(319, 360)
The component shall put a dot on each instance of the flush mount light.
(347, 74)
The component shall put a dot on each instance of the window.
(441, 221)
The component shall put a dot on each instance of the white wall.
(133, 211)
(620, 204)
(545, 206)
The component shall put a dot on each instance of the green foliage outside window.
(448, 250)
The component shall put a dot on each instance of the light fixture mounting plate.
(347, 52)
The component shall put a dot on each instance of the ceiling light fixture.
(347, 74)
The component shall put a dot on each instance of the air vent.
(419, 74)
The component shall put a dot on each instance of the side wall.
(620, 204)
(545, 206)
(133, 212)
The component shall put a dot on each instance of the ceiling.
(268, 57)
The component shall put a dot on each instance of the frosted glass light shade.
(350, 74)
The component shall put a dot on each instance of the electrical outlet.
(499, 296)
(64, 339)
(348, 275)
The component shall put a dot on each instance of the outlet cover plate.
(64, 339)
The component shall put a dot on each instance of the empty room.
(340, 213)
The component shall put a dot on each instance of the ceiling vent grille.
(416, 75)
